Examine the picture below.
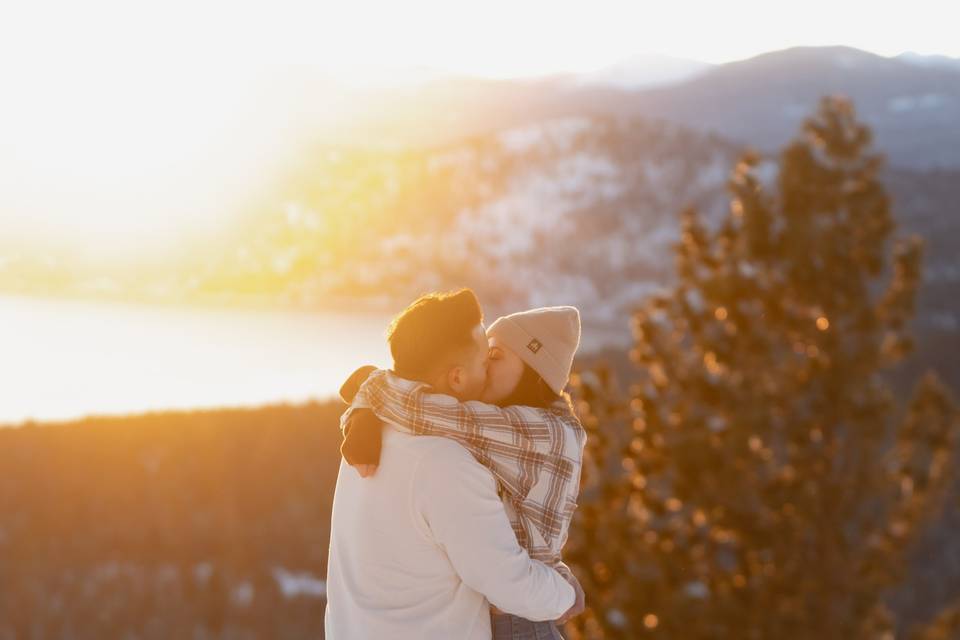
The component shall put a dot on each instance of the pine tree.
(766, 483)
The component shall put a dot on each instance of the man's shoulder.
(429, 448)
(437, 457)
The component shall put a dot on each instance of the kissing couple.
(459, 478)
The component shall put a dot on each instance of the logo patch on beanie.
(534, 345)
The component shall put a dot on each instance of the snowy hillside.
(570, 210)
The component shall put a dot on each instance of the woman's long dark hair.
(533, 391)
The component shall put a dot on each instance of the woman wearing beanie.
(523, 429)
(531, 353)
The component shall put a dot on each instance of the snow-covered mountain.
(568, 210)
(912, 103)
(913, 109)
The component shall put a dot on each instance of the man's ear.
(455, 379)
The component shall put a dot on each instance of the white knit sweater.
(422, 548)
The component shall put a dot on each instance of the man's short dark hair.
(432, 329)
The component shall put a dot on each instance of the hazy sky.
(141, 120)
(495, 37)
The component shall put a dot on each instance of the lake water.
(67, 359)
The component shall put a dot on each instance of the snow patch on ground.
(539, 202)
(461, 157)
(560, 132)
(299, 583)
(902, 104)
(242, 594)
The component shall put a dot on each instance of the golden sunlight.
(675, 280)
(130, 157)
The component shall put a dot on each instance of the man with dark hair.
(440, 340)
(421, 549)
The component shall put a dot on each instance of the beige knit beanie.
(545, 338)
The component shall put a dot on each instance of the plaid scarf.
(535, 454)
